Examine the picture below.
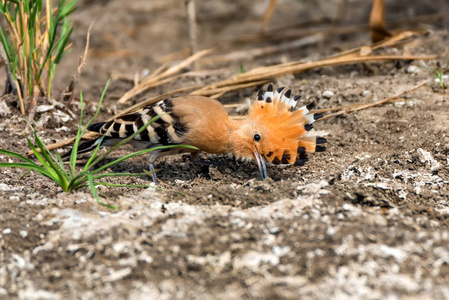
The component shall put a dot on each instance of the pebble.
(23, 233)
(328, 94)
(6, 231)
(413, 69)
(367, 93)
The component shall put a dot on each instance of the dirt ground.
(367, 219)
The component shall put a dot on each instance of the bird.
(276, 130)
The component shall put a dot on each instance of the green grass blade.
(59, 161)
(126, 185)
(92, 157)
(6, 45)
(68, 9)
(17, 155)
(40, 158)
(99, 105)
(139, 153)
(50, 160)
(34, 167)
(93, 190)
(82, 130)
(62, 43)
(79, 134)
(119, 175)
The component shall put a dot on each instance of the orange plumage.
(275, 129)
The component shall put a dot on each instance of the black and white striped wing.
(165, 130)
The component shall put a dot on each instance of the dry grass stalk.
(33, 104)
(192, 26)
(268, 74)
(358, 107)
(267, 15)
(153, 100)
(230, 88)
(69, 93)
(249, 54)
(156, 80)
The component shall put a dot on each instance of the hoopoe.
(275, 130)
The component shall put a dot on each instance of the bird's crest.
(284, 138)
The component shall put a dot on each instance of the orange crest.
(283, 128)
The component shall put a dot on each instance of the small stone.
(6, 231)
(328, 94)
(367, 93)
(4, 109)
(23, 233)
(413, 69)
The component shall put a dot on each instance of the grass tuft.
(34, 40)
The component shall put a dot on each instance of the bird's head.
(276, 131)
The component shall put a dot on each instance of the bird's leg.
(195, 158)
(152, 169)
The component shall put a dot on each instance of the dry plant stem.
(191, 24)
(33, 104)
(323, 110)
(234, 87)
(260, 75)
(257, 52)
(377, 22)
(153, 81)
(153, 100)
(373, 104)
(69, 94)
(267, 15)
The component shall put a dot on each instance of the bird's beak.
(261, 164)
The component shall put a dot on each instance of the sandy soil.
(367, 219)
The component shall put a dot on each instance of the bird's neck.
(237, 137)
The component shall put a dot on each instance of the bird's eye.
(257, 137)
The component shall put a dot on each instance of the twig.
(230, 88)
(359, 107)
(191, 25)
(152, 81)
(33, 104)
(153, 100)
(69, 94)
(257, 52)
(267, 15)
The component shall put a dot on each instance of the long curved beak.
(261, 164)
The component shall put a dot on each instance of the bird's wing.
(165, 130)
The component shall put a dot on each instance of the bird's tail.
(85, 147)
(89, 145)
